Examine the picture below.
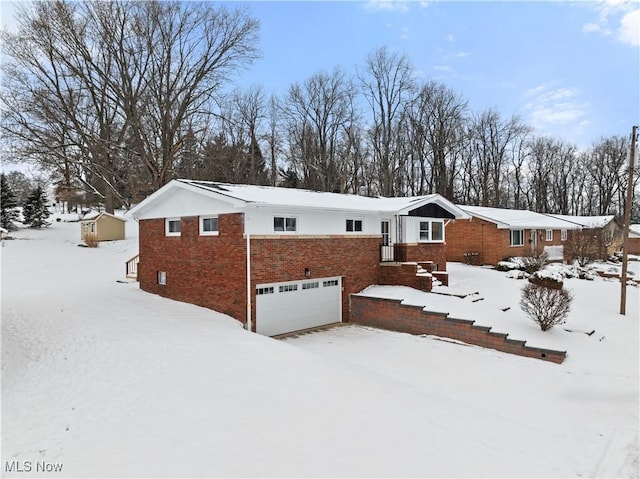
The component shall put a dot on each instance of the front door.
(386, 249)
(385, 229)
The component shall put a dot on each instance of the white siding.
(180, 203)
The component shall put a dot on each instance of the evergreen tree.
(8, 203)
(36, 209)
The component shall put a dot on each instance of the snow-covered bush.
(547, 307)
(517, 274)
(548, 278)
(508, 265)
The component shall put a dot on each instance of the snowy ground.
(102, 379)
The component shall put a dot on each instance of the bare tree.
(436, 117)
(316, 113)
(99, 84)
(387, 81)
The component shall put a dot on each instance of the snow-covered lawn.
(106, 380)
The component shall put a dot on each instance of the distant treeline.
(115, 99)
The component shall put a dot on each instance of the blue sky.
(570, 70)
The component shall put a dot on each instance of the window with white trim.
(563, 235)
(516, 238)
(431, 231)
(313, 285)
(162, 277)
(548, 235)
(265, 290)
(172, 227)
(354, 225)
(286, 224)
(208, 225)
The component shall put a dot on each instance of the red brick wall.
(492, 244)
(417, 252)
(403, 274)
(390, 314)
(633, 245)
(355, 259)
(208, 271)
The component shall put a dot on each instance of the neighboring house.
(604, 231)
(633, 242)
(493, 234)
(104, 226)
(280, 259)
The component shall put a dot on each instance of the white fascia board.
(165, 194)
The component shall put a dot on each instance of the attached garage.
(296, 305)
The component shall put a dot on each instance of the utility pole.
(627, 220)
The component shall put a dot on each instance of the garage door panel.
(296, 305)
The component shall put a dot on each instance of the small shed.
(104, 226)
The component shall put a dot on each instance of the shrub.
(547, 278)
(546, 307)
(534, 263)
(91, 240)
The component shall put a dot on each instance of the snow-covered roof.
(521, 219)
(242, 195)
(586, 221)
(96, 216)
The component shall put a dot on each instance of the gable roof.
(97, 216)
(586, 221)
(518, 219)
(242, 196)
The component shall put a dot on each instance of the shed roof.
(97, 216)
(520, 219)
(243, 195)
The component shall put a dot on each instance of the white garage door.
(295, 305)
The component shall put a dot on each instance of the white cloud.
(619, 16)
(595, 28)
(549, 108)
(404, 33)
(462, 54)
(401, 6)
(629, 31)
(443, 68)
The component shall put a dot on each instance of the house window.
(162, 277)
(208, 225)
(354, 225)
(313, 285)
(283, 223)
(331, 282)
(172, 227)
(266, 290)
(517, 237)
(431, 231)
(563, 235)
(549, 235)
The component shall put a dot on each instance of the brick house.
(282, 260)
(604, 232)
(493, 234)
(633, 241)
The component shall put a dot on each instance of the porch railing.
(132, 267)
(387, 253)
